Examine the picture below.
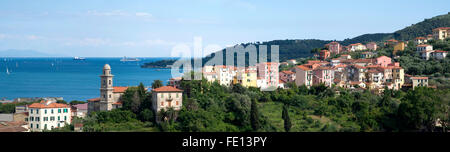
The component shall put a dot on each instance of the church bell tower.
(106, 89)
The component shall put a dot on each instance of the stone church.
(110, 96)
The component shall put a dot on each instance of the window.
(31, 110)
(45, 111)
(170, 104)
(45, 126)
(59, 110)
(109, 82)
(58, 125)
(37, 126)
(59, 118)
(65, 118)
(109, 96)
(52, 111)
(31, 125)
(177, 103)
(162, 103)
(37, 118)
(37, 111)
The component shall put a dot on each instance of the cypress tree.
(287, 120)
(254, 115)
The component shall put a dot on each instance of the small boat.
(125, 59)
(7, 71)
(78, 58)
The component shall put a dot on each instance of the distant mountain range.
(23, 53)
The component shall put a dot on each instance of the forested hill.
(423, 28)
(293, 49)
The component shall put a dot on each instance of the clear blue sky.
(151, 28)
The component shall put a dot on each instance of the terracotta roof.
(423, 45)
(440, 51)
(340, 66)
(420, 38)
(287, 72)
(167, 89)
(51, 105)
(93, 100)
(442, 28)
(304, 68)
(364, 60)
(359, 67)
(392, 40)
(120, 89)
(117, 103)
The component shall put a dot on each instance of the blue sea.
(71, 79)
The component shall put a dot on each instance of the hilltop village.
(366, 72)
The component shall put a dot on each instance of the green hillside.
(423, 28)
(301, 48)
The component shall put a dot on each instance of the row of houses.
(374, 74)
(263, 75)
(336, 48)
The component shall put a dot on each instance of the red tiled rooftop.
(442, 28)
(419, 78)
(93, 100)
(303, 67)
(287, 72)
(423, 45)
(120, 89)
(51, 105)
(167, 89)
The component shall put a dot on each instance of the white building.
(292, 62)
(47, 115)
(424, 47)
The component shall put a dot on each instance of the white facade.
(424, 47)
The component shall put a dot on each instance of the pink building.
(287, 76)
(334, 47)
(383, 61)
(269, 72)
(371, 46)
(323, 75)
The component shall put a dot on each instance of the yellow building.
(398, 77)
(400, 46)
(441, 33)
(247, 78)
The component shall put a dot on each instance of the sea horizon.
(31, 77)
